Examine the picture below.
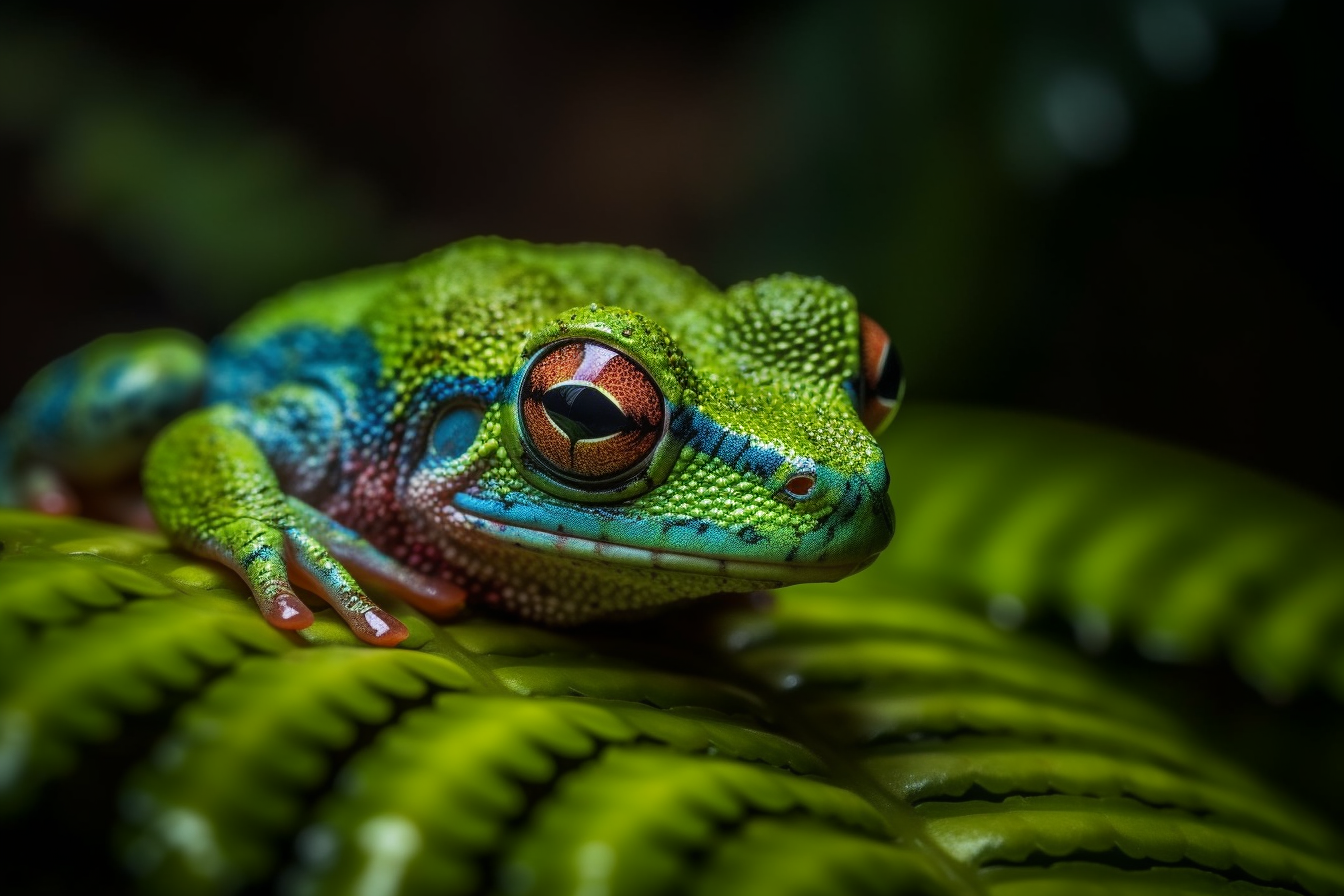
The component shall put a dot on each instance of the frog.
(565, 433)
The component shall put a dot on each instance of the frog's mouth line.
(764, 572)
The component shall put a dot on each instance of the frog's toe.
(286, 611)
(437, 598)
(328, 578)
(257, 552)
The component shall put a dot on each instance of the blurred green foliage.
(215, 206)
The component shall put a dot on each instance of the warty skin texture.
(380, 423)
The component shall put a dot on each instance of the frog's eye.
(882, 380)
(589, 414)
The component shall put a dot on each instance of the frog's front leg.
(213, 491)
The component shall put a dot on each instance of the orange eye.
(883, 380)
(588, 412)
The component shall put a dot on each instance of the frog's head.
(631, 462)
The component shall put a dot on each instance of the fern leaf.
(919, 667)
(35, 594)
(627, 822)
(1018, 827)
(1188, 554)
(236, 767)
(109, 565)
(802, 857)
(556, 676)
(1090, 879)
(492, 638)
(446, 780)
(917, 772)
(859, 738)
(697, 730)
(1062, 774)
(77, 683)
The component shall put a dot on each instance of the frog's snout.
(860, 521)
(875, 520)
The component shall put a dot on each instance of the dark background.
(1119, 212)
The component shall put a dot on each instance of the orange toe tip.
(289, 613)
(444, 612)
(447, 603)
(380, 628)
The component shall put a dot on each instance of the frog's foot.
(264, 555)
(437, 598)
(42, 490)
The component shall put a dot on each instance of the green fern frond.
(446, 813)
(1091, 879)
(239, 762)
(877, 735)
(705, 731)
(613, 680)
(1188, 554)
(917, 772)
(1021, 827)
(501, 747)
(37, 594)
(1064, 773)
(75, 684)
(633, 818)
(803, 857)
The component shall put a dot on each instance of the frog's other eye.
(588, 413)
(882, 380)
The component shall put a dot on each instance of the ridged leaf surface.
(875, 736)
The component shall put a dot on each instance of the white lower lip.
(646, 558)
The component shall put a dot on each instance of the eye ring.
(589, 417)
(881, 380)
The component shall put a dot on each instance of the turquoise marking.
(243, 368)
(456, 431)
(543, 525)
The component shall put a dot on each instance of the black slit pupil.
(890, 377)
(583, 412)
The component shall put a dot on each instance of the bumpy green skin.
(321, 445)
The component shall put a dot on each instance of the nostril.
(800, 486)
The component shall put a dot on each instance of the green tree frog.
(565, 432)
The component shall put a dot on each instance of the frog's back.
(310, 328)
(334, 303)
(476, 274)
(463, 309)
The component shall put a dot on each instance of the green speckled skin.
(374, 424)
